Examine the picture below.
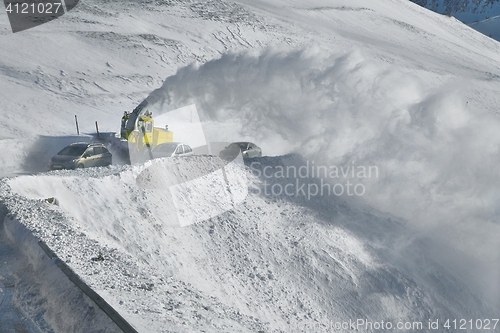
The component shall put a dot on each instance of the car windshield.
(72, 151)
(166, 149)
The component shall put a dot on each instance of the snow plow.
(137, 128)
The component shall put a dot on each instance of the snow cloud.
(438, 162)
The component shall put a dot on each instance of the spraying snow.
(338, 110)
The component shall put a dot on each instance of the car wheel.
(80, 166)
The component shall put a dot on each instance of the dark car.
(81, 155)
(247, 149)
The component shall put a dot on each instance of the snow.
(195, 244)
(10, 316)
(268, 264)
(34, 304)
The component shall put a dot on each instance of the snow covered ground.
(348, 85)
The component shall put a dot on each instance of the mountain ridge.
(468, 11)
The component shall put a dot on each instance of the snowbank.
(272, 263)
(45, 294)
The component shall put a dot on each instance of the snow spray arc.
(198, 191)
(27, 14)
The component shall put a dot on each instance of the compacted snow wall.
(46, 294)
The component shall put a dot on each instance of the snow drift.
(272, 263)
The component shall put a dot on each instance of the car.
(81, 155)
(247, 149)
(169, 149)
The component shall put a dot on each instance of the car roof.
(86, 144)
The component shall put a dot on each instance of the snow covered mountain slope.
(347, 84)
